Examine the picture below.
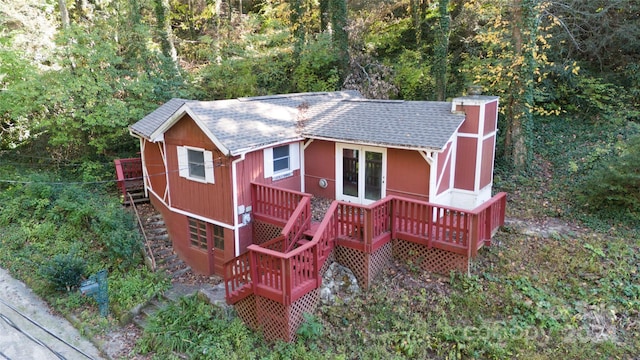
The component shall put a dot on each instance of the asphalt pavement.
(28, 330)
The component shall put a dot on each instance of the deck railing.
(272, 203)
(286, 276)
(364, 227)
(129, 174)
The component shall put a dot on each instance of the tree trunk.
(324, 15)
(441, 50)
(64, 13)
(340, 38)
(164, 30)
(520, 98)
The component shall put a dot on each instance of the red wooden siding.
(213, 201)
(446, 176)
(198, 259)
(408, 174)
(320, 163)
(490, 117)
(466, 163)
(156, 170)
(486, 171)
(471, 122)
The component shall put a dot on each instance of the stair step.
(160, 237)
(140, 321)
(161, 252)
(168, 259)
(155, 222)
(302, 242)
(180, 272)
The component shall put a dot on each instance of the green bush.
(614, 187)
(64, 272)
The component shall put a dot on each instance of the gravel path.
(20, 339)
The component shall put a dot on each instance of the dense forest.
(74, 74)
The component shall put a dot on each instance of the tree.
(340, 38)
(441, 50)
(507, 60)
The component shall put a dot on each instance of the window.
(195, 164)
(198, 233)
(281, 158)
(281, 161)
(218, 237)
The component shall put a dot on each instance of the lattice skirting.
(330, 259)
(365, 267)
(246, 309)
(278, 321)
(263, 232)
(430, 259)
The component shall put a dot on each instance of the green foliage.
(134, 287)
(65, 272)
(318, 68)
(192, 327)
(614, 186)
(311, 328)
(101, 84)
(412, 76)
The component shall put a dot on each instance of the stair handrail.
(299, 222)
(285, 258)
(144, 234)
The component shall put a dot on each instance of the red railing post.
(367, 231)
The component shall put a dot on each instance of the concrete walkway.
(20, 339)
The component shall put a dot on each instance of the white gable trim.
(184, 109)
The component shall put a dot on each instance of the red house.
(233, 179)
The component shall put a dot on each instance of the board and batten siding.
(320, 163)
(210, 200)
(156, 171)
(408, 174)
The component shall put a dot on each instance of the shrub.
(614, 187)
(64, 272)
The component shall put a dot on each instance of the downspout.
(234, 195)
(302, 165)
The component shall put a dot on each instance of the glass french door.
(360, 173)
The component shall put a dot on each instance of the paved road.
(19, 337)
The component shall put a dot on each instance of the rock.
(338, 282)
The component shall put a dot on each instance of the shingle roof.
(241, 125)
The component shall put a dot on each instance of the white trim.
(444, 163)
(454, 160)
(361, 199)
(183, 161)
(183, 164)
(267, 156)
(294, 161)
(184, 109)
(234, 196)
(146, 181)
(167, 189)
(377, 145)
(208, 167)
(186, 213)
(166, 170)
(302, 165)
(469, 135)
(476, 184)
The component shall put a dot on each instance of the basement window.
(198, 233)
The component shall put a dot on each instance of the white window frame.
(183, 164)
(294, 162)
